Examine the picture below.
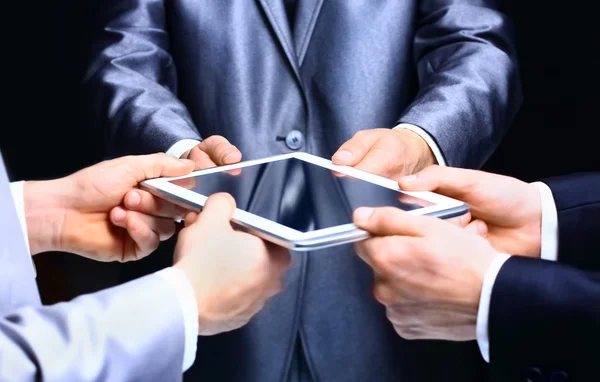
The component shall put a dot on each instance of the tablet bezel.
(443, 206)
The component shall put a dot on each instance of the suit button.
(533, 374)
(559, 376)
(294, 140)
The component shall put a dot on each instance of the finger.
(280, 257)
(216, 213)
(383, 292)
(146, 240)
(146, 203)
(376, 161)
(275, 289)
(201, 159)
(478, 227)
(354, 150)
(187, 183)
(157, 165)
(338, 174)
(140, 240)
(449, 181)
(190, 218)
(235, 171)
(220, 150)
(364, 250)
(375, 253)
(388, 256)
(460, 221)
(164, 228)
(388, 221)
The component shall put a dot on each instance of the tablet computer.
(298, 200)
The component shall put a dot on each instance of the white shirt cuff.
(427, 138)
(177, 279)
(16, 189)
(484, 304)
(181, 149)
(549, 245)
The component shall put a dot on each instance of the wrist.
(535, 226)
(481, 268)
(425, 156)
(44, 215)
(188, 271)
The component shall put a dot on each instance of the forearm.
(469, 87)
(131, 83)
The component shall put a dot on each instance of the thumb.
(158, 165)
(355, 149)
(478, 227)
(216, 213)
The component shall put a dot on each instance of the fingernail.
(363, 214)
(186, 162)
(119, 214)
(481, 228)
(342, 156)
(133, 199)
(408, 178)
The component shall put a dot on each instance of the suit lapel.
(275, 13)
(307, 13)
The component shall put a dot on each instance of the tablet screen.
(299, 194)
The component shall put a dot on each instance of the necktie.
(290, 10)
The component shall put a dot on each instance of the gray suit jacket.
(162, 71)
(134, 332)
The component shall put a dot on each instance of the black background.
(43, 133)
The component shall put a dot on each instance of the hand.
(82, 213)
(429, 273)
(232, 273)
(510, 209)
(214, 151)
(386, 152)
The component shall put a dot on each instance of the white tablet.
(298, 200)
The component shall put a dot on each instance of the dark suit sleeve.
(469, 89)
(577, 199)
(131, 83)
(545, 316)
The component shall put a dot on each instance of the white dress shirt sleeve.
(427, 138)
(549, 245)
(182, 148)
(16, 189)
(484, 304)
(177, 279)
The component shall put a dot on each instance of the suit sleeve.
(130, 85)
(133, 332)
(544, 315)
(577, 200)
(469, 88)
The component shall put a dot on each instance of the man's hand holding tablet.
(232, 287)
